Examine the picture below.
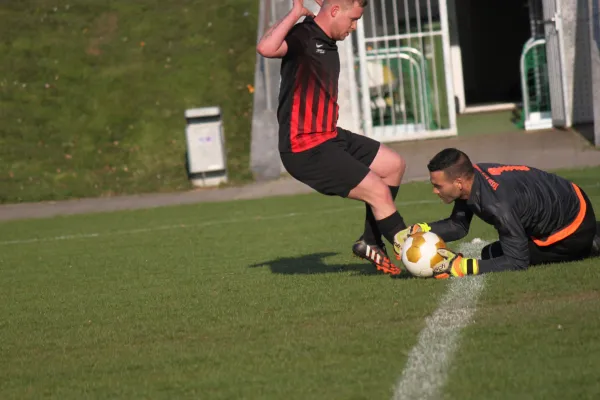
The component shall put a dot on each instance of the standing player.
(313, 149)
(540, 217)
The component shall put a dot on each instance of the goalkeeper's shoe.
(376, 254)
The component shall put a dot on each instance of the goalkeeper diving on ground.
(541, 218)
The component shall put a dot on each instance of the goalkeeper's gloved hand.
(454, 264)
(401, 237)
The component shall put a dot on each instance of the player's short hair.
(453, 162)
(349, 3)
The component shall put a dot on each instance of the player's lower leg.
(372, 234)
(390, 226)
(389, 167)
(370, 246)
(376, 193)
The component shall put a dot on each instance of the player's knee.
(400, 164)
(397, 165)
(373, 190)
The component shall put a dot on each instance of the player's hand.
(401, 237)
(454, 264)
(302, 11)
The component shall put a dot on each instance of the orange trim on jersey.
(492, 182)
(569, 229)
(507, 168)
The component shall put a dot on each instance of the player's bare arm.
(272, 44)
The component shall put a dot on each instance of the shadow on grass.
(313, 264)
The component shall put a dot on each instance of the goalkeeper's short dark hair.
(453, 162)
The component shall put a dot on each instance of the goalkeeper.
(540, 217)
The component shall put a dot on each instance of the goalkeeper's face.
(445, 187)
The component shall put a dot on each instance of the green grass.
(93, 93)
(261, 300)
(488, 123)
(540, 328)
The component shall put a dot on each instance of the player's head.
(451, 174)
(341, 16)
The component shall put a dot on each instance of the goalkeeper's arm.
(457, 225)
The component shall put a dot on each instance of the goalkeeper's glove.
(401, 237)
(454, 264)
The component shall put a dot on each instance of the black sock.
(372, 234)
(394, 191)
(391, 225)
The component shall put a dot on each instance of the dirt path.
(546, 150)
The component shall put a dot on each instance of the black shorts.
(576, 246)
(336, 166)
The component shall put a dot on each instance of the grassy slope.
(92, 93)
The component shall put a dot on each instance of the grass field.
(93, 92)
(261, 300)
(488, 123)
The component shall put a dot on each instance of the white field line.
(200, 225)
(208, 223)
(431, 359)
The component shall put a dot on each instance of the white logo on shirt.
(319, 49)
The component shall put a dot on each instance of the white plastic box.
(207, 164)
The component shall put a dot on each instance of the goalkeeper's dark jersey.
(524, 204)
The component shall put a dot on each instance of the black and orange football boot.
(376, 254)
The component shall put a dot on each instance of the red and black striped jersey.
(308, 109)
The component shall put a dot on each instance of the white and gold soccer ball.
(419, 253)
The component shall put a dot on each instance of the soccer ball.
(419, 254)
